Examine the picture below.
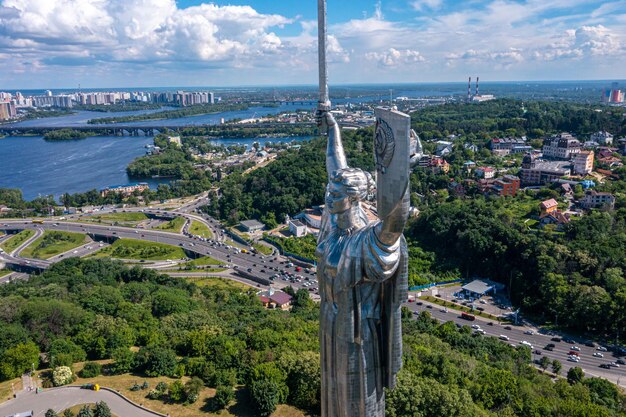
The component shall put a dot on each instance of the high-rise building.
(7, 110)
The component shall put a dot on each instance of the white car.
(598, 355)
(475, 326)
(575, 348)
(573, 358)
(602, 349)
(504, 337)
(525, 343)
(479, 331)
(529, 332)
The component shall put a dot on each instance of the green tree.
(51, 413)
(123, 360)
(224, 395)
(193, 388)
(68, 413)
(556, 367)
(156, 361)
(575, 375)
(265, 396)
(18, 359)
(544, 363)
(91, 370)
(102, 410)
(85, 411)
(176, 391)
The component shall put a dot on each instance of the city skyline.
(104, 43)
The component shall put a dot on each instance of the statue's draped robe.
(362, 284)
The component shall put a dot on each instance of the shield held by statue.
(392, 156)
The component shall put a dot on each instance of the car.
(503, 337)
(573, 358)
(572, 353)
(429, 306)
(569, 340)
(614, 364)
(479, 331)
(444, 310)
(550, 347)
(605, 366)
(525, 343)
(537, 352)
(475, 326)
(490, 323)
(419, 303)
(590, 343)
(530, 332)
(598, 355)
(602, 349)
(249, 269)
(556, 339)
(576, 348)
(620, 362)
(507, 327)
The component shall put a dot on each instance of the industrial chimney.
(477, 78)
(469, 89)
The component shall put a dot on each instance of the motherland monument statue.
(362, 269)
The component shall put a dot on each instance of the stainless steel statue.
(362, 268)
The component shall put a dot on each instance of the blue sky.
(135, 43)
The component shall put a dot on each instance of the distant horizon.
(283, 86)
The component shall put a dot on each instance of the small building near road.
(251, 226)
(481, 287)
(296, 227)
(275, 299)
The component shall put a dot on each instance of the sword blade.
(324, 101)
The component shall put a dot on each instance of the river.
(39, 167)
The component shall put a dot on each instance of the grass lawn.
(218, 282)
(14, 242)
(130, 219)
(139, 249)
(5, 388)
(52, 243)
(204, 264)
(4, 272)
(262, 249)
(175, 225)
(122, 383)
(454, 306)
(200, 229)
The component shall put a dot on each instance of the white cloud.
(420, 5)
(394, 57)
(586, 41)
(138, 30)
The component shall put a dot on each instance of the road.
(59, 399)
(256, 266)
(589, 363)
(37, 235)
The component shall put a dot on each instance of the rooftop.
(252, 223)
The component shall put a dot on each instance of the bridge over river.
(140, 130)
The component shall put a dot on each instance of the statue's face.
(337, 201)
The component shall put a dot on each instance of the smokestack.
(477, 78)
(469, 89)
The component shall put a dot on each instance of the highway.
(252, 266)
(589, 363)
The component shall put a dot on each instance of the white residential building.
(603, 138)
(562, 146)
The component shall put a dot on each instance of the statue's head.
(346, 188)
